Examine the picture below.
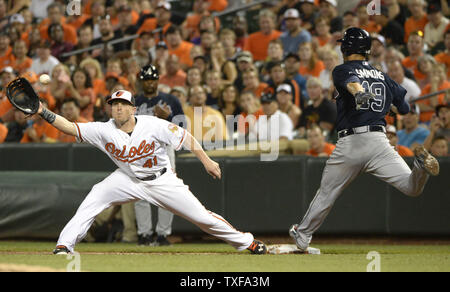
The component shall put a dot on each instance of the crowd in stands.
(241, 79)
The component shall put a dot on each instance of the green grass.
(216, 257)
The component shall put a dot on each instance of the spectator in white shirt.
(45, 62)
(273, 125)
(39, 8)
(435, 28)
(397, 73)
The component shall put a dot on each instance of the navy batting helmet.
(356, 41)
(149, 72)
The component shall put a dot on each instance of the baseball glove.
(363, 98)
(22, 96)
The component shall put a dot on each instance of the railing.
(133, 37)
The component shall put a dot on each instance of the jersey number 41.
(151, 162)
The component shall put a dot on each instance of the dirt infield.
(329, 239)
(26, 268)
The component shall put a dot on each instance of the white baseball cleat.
(426, 160)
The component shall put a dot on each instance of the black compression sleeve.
(48, 116)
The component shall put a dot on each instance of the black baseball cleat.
(144, 240)
(257, 247)
(426, 160)
(161, 240)
(61, 250)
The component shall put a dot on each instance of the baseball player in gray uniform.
(365, 95)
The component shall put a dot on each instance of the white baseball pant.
(168, 192)
(143, 211)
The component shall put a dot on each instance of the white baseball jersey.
(140, 154)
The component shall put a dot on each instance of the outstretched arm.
(57, 121)
(211, 166)
(355, 88)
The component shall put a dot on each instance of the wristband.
(48, 116)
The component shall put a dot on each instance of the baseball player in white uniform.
(137, 145)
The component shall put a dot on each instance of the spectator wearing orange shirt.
(444, 57)
(116, 9)
(94, 69)
(278, 76)
(252, 83)
(6, 109)
(317, 145)
(43, 90)
(55, 15)
(179, 47)
(21, 63)
(191, 26)
(3, 132)
(41, 131)
(418, 19)
(218, 5)
(425, 65)
(83, 92)
(114, 67)
(415, 47)
(364, 20)
(161, 20)
(6, 56)
(70, 109)
(258, 42)
(438, 82)
(391, 133)
(174, 75)
(251, 111)
(310, 65)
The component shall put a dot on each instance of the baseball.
(44, 79)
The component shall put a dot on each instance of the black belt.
(360, 130)
(154, 176)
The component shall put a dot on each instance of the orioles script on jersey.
(145, 149)
(364, 73)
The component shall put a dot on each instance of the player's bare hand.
(162, 111)
(41, 108)
(213, 169)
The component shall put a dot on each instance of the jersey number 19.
(379, 90)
